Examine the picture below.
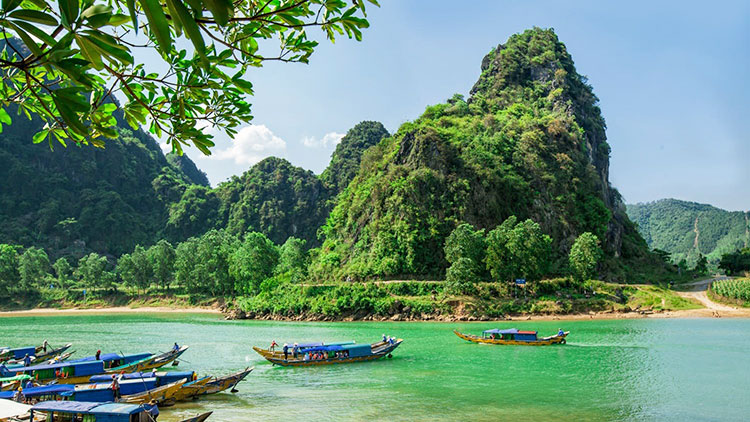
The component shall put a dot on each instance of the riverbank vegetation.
(491, 275)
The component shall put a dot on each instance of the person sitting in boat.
(306, 357)
(26, 360)
(560, 332)
(385, 338)
(175, 347)
(29, 384)
(286, 351)
(18, 396)
(273, 345)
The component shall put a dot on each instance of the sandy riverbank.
(112, 310)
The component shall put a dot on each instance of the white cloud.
(330, 139)
(252, 144)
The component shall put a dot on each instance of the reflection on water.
(609, 370)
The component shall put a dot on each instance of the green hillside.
(80, 199)
(274, 197)
(530, 141)
(687, 229)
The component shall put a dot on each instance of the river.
(615, 370)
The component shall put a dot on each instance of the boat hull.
(546, 341)
(380, 350)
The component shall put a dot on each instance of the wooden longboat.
(159, 394)
(354, 353)
(191, 389)
(200, 418)
(226, 382)
(37, 354)
(514, 337)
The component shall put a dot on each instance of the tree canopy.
(75, 54)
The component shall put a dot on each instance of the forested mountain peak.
(346, 158)
(529, 142)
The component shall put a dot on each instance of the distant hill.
(687, 229)
(75, 200)
(274, 197)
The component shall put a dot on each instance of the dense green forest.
(510, 183)
(74, 200)
(688, 230)
(530, 141)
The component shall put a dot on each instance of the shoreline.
(688, 313)
(107, 310)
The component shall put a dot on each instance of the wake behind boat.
(311, 354)
(513, 336)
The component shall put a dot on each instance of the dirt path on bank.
(697, 291)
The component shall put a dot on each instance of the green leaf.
(244, 85)
(27, 40)
(190, 26)
(133, 14)
(4, 117)
(158, 24)
(220, 9)
(97, 15)
(118, 19)
(35, 31)
(9, 5)
(40, 136)
(89, 52)
(68, 12)
(34, 16)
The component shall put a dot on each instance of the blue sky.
(671, 76)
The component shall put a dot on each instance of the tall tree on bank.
(76, 54)
(584, 255)
(465, 251)
(33, 266)
(519, 250)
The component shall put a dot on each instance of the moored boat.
(513, 336)
(226, 382)
(50, 411)
(79, 371)
(328, 354)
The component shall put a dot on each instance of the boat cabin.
(79, 411)
(509, 334)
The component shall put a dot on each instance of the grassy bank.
(104, 298)
(432, 300)
(396, 300)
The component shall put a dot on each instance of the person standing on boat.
(294, 350)
(154, 411)
(26, 360)
(115, 387)
(286, 351)
(44, 345)
(273, 345)
(98, 354)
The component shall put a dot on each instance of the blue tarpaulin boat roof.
(88, 408)
(499, 331)
(139, 375)
(40, 391)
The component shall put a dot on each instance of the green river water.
(613, 370)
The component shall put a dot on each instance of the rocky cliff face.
(530, 141)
